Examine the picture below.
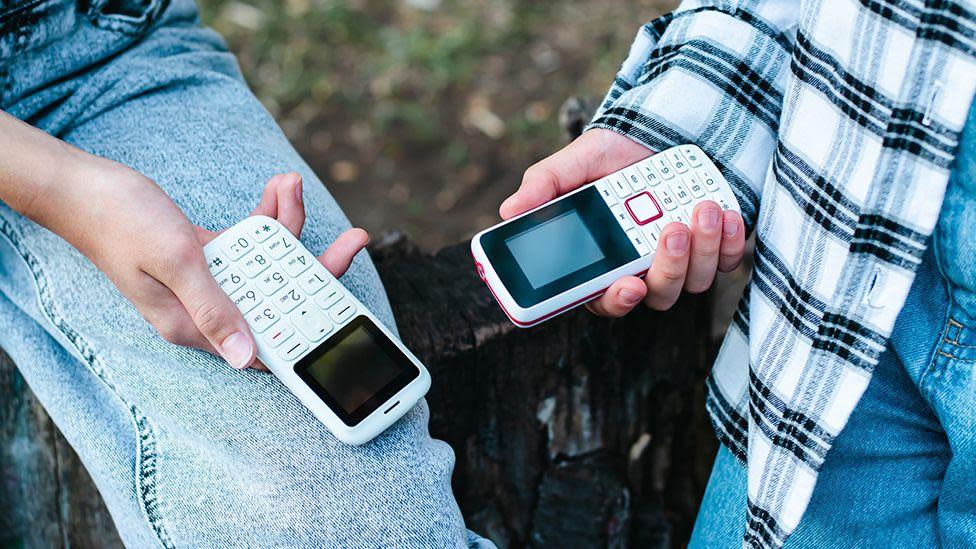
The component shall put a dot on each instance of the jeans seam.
(147, 457)
(930, 367)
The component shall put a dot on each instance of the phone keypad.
(271, 281)
(288, 298)
(280, 247)
(312, 282)
(281, 332)
(298, 264)
(263, 231)
(254, 264)
(677, 179)
(262, 318)
(245, 299)
(230, 280)
(238, 247)
(329, 298)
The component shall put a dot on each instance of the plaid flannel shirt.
(836, 124)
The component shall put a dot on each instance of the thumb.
(594, 154)
(215, 315)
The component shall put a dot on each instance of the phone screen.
(554, 249)
(558, 247)
(356, 370)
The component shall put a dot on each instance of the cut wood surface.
(581, 432)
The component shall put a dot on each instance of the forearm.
(39, 173)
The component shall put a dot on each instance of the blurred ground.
(421, 115)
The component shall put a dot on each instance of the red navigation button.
(643, 208)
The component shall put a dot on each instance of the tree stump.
(581, 432)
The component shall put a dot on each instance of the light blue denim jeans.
(185, 450)
(903, 471)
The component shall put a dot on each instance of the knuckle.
(177, 255)
(535, 171)
(670, 275)
(539, 174)
(733, 249)
(704, 247)
(729, 264)
(698, 287)
(210, 318)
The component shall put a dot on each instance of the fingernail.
(236, 350)
(629, 297)
(730, 228)
(678, 243)
(298, 189)
(708, 219)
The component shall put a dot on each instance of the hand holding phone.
(321, 342)
(691, 255)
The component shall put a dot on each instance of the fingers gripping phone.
(571, 249)
(328, 349)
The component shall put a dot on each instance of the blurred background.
(421, 115)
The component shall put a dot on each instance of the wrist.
(59, 195)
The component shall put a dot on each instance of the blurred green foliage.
(421, 104)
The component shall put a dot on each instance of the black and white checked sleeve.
(710, 73)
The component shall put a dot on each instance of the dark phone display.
(356, 370)
(558, 247)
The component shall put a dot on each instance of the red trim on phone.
(594, 295)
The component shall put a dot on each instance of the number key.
(313, 281)
(650, 174)
(619, 186)
(678, 161)
(238, 247)
(663, 167)
(298, 263)
(635, 179)
(695, 184)
(271, 281)
(679, 217)
(666, 199)
(255, 264)
(287, 300)
(711, 182)
(230, 280)
(280, 246)
(260, 319)
(681, 191)
(245, 299)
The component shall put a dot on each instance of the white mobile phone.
(328, 349)
(570, 250)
